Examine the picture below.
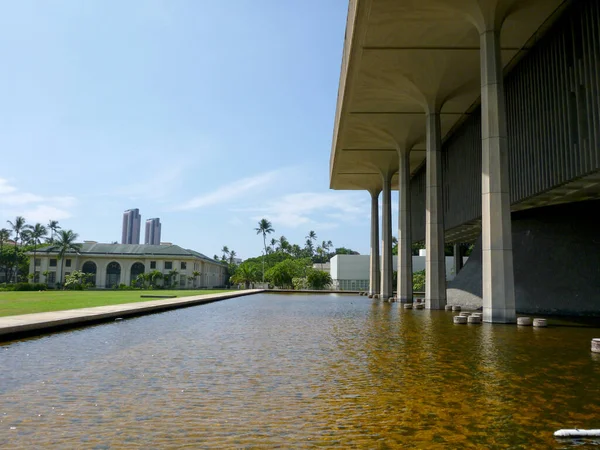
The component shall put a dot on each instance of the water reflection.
(293, 371)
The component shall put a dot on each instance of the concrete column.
(374, 279)
(404, 290)
(497, 256)
(458, 259)
(435, 263)
(387, 269)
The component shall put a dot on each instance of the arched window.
(113, 274)
(137, 269)
(90, 268)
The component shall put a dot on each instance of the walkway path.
(42, 322)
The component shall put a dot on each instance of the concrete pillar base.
(492, 315)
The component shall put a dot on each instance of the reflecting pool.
(298, 371)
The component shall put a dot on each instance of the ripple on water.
(287, 371)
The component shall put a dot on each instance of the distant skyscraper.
(131, 227)
(152, 232)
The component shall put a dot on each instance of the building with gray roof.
(114, 264)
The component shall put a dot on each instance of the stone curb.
(39, 323)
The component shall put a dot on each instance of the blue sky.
(207, 114)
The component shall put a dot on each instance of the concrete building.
(131, 227)
(484, 114)
(152, 235)
(351, 272)
(114, 264)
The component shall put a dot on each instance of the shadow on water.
(323, 370)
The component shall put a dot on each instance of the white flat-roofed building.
(351, 272)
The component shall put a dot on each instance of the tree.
(53, 227)
(154, 276)
(171, 278)
(36, 233)
(232, 255)
(141, 280)
(245, 273)
(345, 251)
(4, 238)
(77, 280)
(65, 243)
(195, 275)
(264, 227)
(419, 281)
(296, 251)
(283, 273)
(18, 227)
(284, 244)
(225, 251)
(312, 235)
(320, 256)
(309, 247)
(318, 279)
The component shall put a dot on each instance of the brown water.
(298, 371)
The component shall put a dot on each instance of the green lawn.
(14, 303)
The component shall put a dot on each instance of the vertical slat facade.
(553, 114)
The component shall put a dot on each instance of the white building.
(114, 264)
(351, 272)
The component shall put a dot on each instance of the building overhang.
(403, 58)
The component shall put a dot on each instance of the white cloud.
(44, 213)
(5, 188)
(231, 191)
(300, 209)
(34, 207)
(19, 198)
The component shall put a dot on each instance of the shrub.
(318, 279)
(299, 283)
(77, 281)
(23, 287)
(419, 281)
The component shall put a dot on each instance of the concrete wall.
(556, 258)
(356, 267)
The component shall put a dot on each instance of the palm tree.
(225, 251)
(65, 243)
(246, 274)
(36, 233)
(18, 227)
(195, 274)
(309, 247)
(264, 227)
(4, 237)
(232, 255)
(312, 235)
(155, 275)
(53, 227)
(171, 277)
(284, 244)
(321, 252)
(274, 242)
(296, 251)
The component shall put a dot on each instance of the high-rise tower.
(152, 232)
(131, 227)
